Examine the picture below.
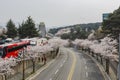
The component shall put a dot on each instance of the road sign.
(106, 16)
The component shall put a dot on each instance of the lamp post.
(23, 64)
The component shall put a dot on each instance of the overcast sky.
(56, 12)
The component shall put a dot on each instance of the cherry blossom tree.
(30, 53)
(105, 47)
(6, 66)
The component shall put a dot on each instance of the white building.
(2, 31)
(42, 30)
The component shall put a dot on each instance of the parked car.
(9, 40)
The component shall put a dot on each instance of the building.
(42, 30)
(2, 31)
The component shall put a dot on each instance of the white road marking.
(56, 71)
(33, 76)
(86, 74)
(86, 67)
(50, 78)
(63, 61)
(85, 62)
(61, 65)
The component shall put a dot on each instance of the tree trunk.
(33, 65)
(92, 54)
(97, 56)
(101, 60)
(5, 76)
(107, 65)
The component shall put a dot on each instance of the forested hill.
(89, 27)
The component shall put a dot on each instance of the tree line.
(25, 29)
(110, 27)
(89, 27)
(78, 31)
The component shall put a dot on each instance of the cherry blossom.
(105, 47)
(6, 64)
(31, 52)
(63, 31)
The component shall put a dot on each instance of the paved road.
(71, 65)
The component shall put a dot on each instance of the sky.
(56, 13)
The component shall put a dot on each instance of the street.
(71, 65)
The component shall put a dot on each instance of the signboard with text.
(105, 16)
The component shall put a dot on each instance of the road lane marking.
(72, 67)
(63, 61)
(86, 74)
(86, 67)
(56, 71)
(50, 78)
(84, 61)
(61, 65)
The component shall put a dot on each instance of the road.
(71, 65)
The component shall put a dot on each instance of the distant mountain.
(88, 27)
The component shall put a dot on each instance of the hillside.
(89, 27)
